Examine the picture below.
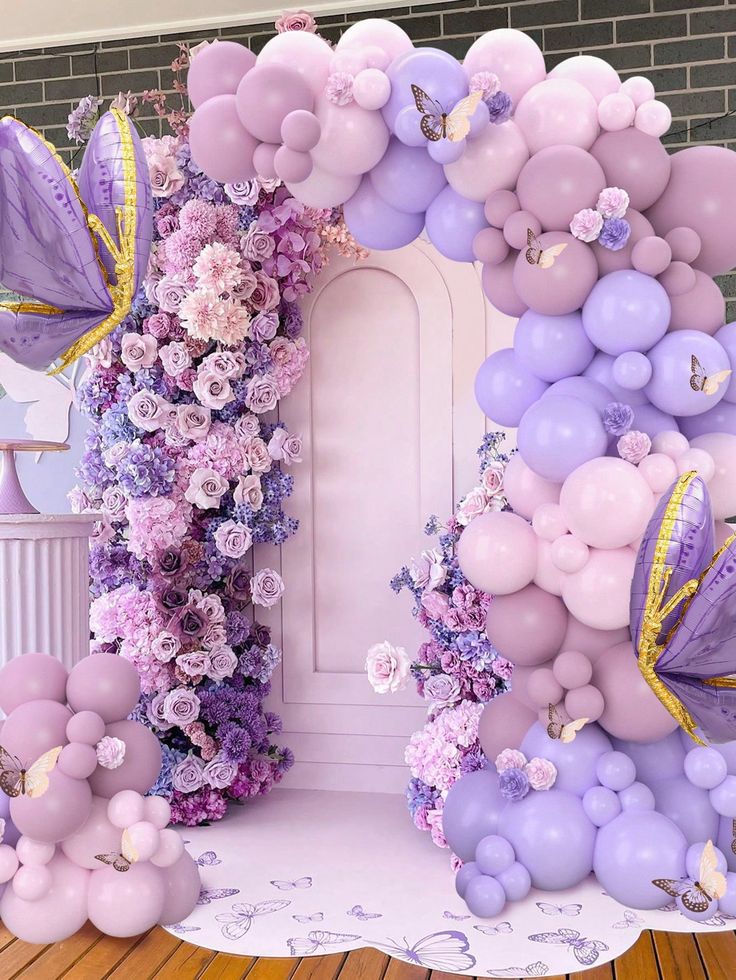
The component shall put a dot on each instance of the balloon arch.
(620, 384)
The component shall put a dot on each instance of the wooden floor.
(91, 956)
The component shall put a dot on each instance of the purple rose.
(237, 583)
(257, 245)
(193, 421)
(187, 776)
(146, 411)
(615, 234)
(266, 294)
(181, 707)
(266, 587)
(222, 663)
(194, 664)
(513, 784)
(219, 773)
(233, 539)
(441, 689)
(170, 294)
(155, 713)
(243, 192)
(264, 326)
(173, 597)
(191, 622)
(262, 395)
(617, 418)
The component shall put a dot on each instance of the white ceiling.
(47, 23)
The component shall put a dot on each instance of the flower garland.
(189, 468)
(457, 669)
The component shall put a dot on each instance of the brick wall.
(688, 50)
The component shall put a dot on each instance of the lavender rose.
(205, 489)
(113, 502)
(248, 491)
(170, 293)
(617, 418)
(264, 326)
(193, 421)
(222, 663)
(257, 456)
(194, 664)
(219, 773)
(191, 622)
(428, 572)
(175, 358)
(212, 390)
(266, 294)
(138, 351)
(492, 478)
(237, 584)
(615, 234)
(513, 784)
(285, 447)
(266, 587)
(165, 646)
(441, 689)
(225, 364)
(256, 245)
(181, 707)
(146, 410)
(233, 539)
(243, 192)
(247, 426)
(155, 713)
(188, 775)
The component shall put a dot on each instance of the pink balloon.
(616, 112)
(723, 533)
(498, 552)
(548, 521)
(606, 502)
(181, 890)
(78, 760)
(585, 702)
(307, 53)
(376, 32)
(140, 767)
(685, 244)
(267, 96)
(353, 140)
(96, 836)
(651, 255)
(592, 642)
(670, 443)
(547, 576)
(701, 308)
(104, 683)
(300, 130)
(217, 70)
(612, 261)
(564, 286)
(323, 190)
(32, 677)
(128, 807)
(510, 54)
(31, 851)
(371, 88)
(557, 111)
(8, 863)
(653, 118)
(59, 812)
(503, 725)
(170, 849)
(677, 279)
(639, 89)
(544, 688)
(525, 490)
(219, 142)
(573, 669)
(85, 726)
(263, 160)
(632, 711)
(490, 246)
(636, 162)
(527, 627)
(491, 162)
(56, 916)
(32, 882)
(598, 595)
(500, 206)
(722, 487)
(498, 285)
(558, 181)
(145, 839)
(569, 553)
(659, 471)
(292, 165)
(517, 227)
(33, 728)
(595, 74)
(126, 904)
(156, 810)
(698, 460)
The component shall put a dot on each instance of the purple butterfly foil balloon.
(77, 251)
(683, 613)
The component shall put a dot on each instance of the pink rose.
(110, 752)
(257, 245)
(146, 410)
(166, 178)
(220, 773)
(633, 446)
(243, 192)
(428, 571)
(212, 390)
(262, 395)
(165, 646)
(486, 82)
(613, 202)
(194, 664)
(233, 539)
(541, 773)
(264, 325)
(387, 667)
(257, 456)
(138, 351)
(285, 447)
(175, 358)
(193, 421)
(248, 491)
(205, 489)
(492, 478)
(225, 364)
(170, 293)
(435, 604)
(296, 20)
(266, 587)
(114, 501)
(266, 294)
(586, 225)
(472, 505)
(247, 426)
(222, 663)
(510, 759)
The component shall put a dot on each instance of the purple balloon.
(634, 849)
(721, 418)
(437, 73)
(505, 388)
(11, 834)
(376, 224)
(670, 389)
(586, 389)
(638, 796)
(558, 434)
(471, 812)
(726, 337)
(484, 896)
(267, 95)
(562, 286)
(631, 370)
(626, 310)
(687, 806)
(515, 881)
(446, 151)
(468, 871)
(601, 805)
(452, 224)
(649, 419)
(217, 70)
(600, 369)
(655, 760)
(407, 127)
(724, 842)
(551, 836)
(407, 179)
(576, 761)
(552, 347)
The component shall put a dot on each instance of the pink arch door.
(390, 431)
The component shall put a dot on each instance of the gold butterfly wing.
(709, 877)
(128, 849)
(570, 730)
(714, 381)
(37, 775)
(457, 123)
(548, 255)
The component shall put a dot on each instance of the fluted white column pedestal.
(44, 585)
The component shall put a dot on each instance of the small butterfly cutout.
(733, 835)
(543, 257)
(630, 921)
(502, 927)
(696, 896)
(557, 729)
(358, 912)
(208, 859)
(550, 909)
(238, 922)
(585, 951)
(31, 782)
(287, 886)
(708, 384)
(446, 952)
(455, 918)
(317, 941)
(315, 917)
(208, 895)
(179, 928)
(122, 861)
(537, 969)
(437, 124)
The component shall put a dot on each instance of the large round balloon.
(555, 111)
(217, 69)
(598, 595)
(595, 74)
(376, 224)
(701, 308)
(557, 182)
(58, 914)
(435, 72)
(490, 162)
(552, 347)
(558, 434)
(555, 282)
(632, 710)
(181, 890)
(626, 311)
(690, 373)
(497, 552)
(525, 490)
(505, 388)
(471, 811)
(106, 684)
(33, 728)
(407, 178)
(576, 761)
(353, 140)
(141, 764)
(528, 626)
(32, 677)
(636, 162)
(219, 142)
(510, 54)
(126, 904)
(610, 487)
(266, 96)
(57, 813)
(307, 53)
(452, 223)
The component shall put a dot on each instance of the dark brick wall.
(688, 50)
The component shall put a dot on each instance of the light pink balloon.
(632, 711)
(126, 807)
(651, 255)
(292, 165)
(547, 575)
(300, 130)
(498, 285)
(371, 88)
(615, 112)
(157, 810)
(491, 162)
(701, 308)
(181, 890)
(544, 688)
(309, 54)
(528, 626)
(659, 471)
(497, 552)
(639, 89)
(353, 140)
(145, 839)
(548, 521)
(126, 904)
(598, 595)
(722, 487)
(592, 642)
(32, 677)
(170, 849)
(557, 111)
(96, 836)
(31, 851)
(557, 182)
(595, 74)
(376, 32)
(217, 70)
(59, 812)
(33, 728)
(653, 118)
(698, 460)
(723, 533)
(56, 916)
(569, 553)
(32, 882)
(510, 54)
(323, 190)
(219, 142)
(264, 156)
(503, 725)
(606, 502)
(140, 767)
(267, 96)
(525, 490)
(8, 863)
(670, 443)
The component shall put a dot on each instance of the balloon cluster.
(79, 839)
(631, 813)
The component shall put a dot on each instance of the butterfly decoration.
(317, 941)
(2, 829)
(585, 951)
(208, 860)
(358, 912)
(550, 909)
(700, 381)
(315, 917)
(50, 399)
(287, 886)
(696, 896)
(238, 922)
(33, 781)
(537, 969)
(502, 927)
(180, 928)
(630, 921)
(437, 124)
(123, 860)
(74, 249)
(559, 730)
(455, 918)
(733, 836)
(208, 895)
(543, 257)
(444, 951)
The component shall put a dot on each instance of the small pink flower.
(541, 773)
(110, 752)
(146, 410)
(266, 587)
(435, 604)
(387, 667)
(212, 390)
(492, 478)
(261, 395)
(166, 178)
(193, 421)
(339, 88)
(257, 456)
(472, 505)
(285, 447)
(175, 358)
(587, 225)
(510, 759)
(486, 82)
(296, 20)
(165, 646)
(633, 446)
(613, 202)
(248, 491)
